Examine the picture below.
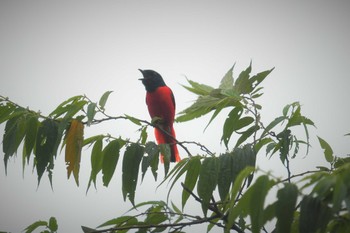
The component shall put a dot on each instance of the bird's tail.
(163, 138)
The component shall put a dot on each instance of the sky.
(52, 50)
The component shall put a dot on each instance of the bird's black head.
(151, 79)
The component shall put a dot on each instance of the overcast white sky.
(50, 51)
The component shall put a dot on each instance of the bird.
(160, 102)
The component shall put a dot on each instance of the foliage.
(225, 186)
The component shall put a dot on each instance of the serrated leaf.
(32, 125)
(194, 165)
(225, 175)
(328, 152)
(110, 160)
(314, 215)
(258, 78)
(242, 83)
(207, 181)
(103, 100)
(47, 137)
(256, 205)
(130, 170)
(285, 206)
(74, 144)
(236, 210)
(197, 88)
(227, 80)
(11, 138)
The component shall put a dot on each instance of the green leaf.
(246, 134)
(207, 181)
(165, 152)
(234, 211)
(131, 162)
(110, 160)
(103, 100)
(34, 226)
(257, 199)
(258, 78)
(243, 84)
(285, 206)
(202, 106)
(65, 106)
(225, 175)
(151, 160)
(12, 137)
(227, 80)
(194, 165)
(328, 152)
(230, 124)
(45, 146)
(53, 224)
(32, 125)
(91, 112)
(339, 194)
(314, 215)
(96, 160)
(270, 126)
(133, 119)
(197, 88)
(120, 221)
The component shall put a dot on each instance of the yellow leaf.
(74, 144)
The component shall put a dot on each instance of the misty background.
(50, 51)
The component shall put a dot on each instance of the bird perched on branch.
(161, 107)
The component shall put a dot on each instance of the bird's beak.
(142, 74)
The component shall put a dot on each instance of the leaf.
(207, 181)
(120, 221)
(230, 124)
(225, 175)
(285, 206)
(202, 106)
(193, 169)
(328, 152)
(133, 119)
(65, 106)
(103, 100)
(46, 139)
(197, 88)
(110, 160)
(272, 125)
(53, 224)
(151, 160)
(91, 112)
(74, 144)
(257, 199)
(96, 160)
(246, 134)
(258, 78)
(130, 170)
(165, 152)
(34, 226)
(11, 138)
(243, 84)
(314, 215)
(237, 185)
(32, 125)
(227, 80)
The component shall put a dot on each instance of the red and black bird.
(161, 106)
